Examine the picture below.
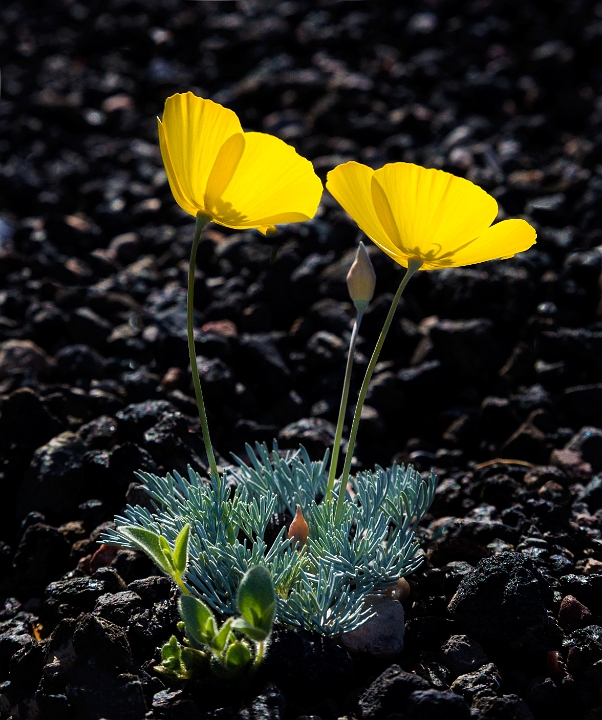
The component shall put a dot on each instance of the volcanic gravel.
(492, 374)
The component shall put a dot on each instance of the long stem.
(343, 407)
(413, 265)
(201, 222)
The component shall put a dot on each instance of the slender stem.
(201, 222)
(413, 265)
(343, 407)
(259, 651)
(180, 584)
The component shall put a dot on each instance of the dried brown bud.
(361, 279)
(298, 530)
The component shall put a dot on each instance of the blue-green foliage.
(321, 587)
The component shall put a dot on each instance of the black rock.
(485, 680)
(42, 556)
(592, 493)
(217, 380)
(118, 608)
(389, 693)
(467, 347)
(462, 655)
(583, 648)
(15, 634)
(436, 705)
(504, 602)
(384, 393)
(136, 419)
(153, 589)
(425, 380)
(306, 666)
(26, 421)
(79, 361)
(54, 484)
(583, 404)
(261, 365)
(588, 443)
(315, 434)
(586, 588)
(500, 490)
(269, 705)
(87, 328)
(505, 707)
(53, 706)
(325, 349)
(25, 667)
(68, 598)
(102, 642)
(127, 459)
(99, 433)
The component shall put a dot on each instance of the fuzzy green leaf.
(170, 650)
(180, 549)
(200, 623)
(256, 600)
(194, 660)
(237, 655)
(253, 633)
(150, 543)
(221, 639)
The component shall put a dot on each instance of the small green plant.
(205, 644)
(320, 587)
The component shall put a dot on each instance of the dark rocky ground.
(492, 373)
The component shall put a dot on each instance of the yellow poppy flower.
(413, 212)
(238, 179)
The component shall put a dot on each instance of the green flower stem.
(201, 222)
(413, 265)
(343, 407)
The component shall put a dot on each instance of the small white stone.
(381, 634)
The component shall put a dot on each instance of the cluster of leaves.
(205, 644)
(321, 587)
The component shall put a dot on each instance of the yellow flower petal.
(350, 185)
(191, 135)
(172, 176)
(271, 184)
(429, 213)
(502, 240)
(223, 170)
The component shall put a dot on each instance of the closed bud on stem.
(361, 279)
(298, 530)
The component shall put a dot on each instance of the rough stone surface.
(389, 693)
(462, 654)
(382, 634)
(22, 355)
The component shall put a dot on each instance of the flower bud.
(361, 279)
(298, 530)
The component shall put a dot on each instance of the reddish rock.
(573, 615)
